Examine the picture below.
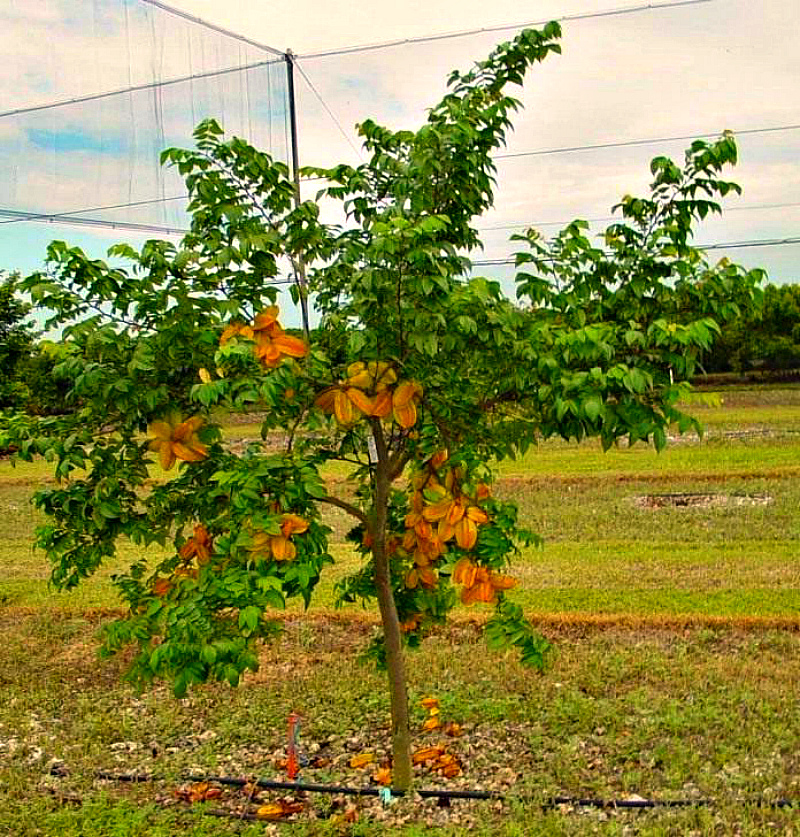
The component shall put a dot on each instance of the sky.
(683, 71)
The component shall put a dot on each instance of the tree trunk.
(401, 731)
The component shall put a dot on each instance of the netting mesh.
(130, 80)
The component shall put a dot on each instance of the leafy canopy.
(419, 375)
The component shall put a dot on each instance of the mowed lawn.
(669, 584)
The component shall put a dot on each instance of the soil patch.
(699, 500)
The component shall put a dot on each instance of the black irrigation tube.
(444, 796)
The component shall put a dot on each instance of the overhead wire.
(212, 26)
(425, 39)
(47, 216)
(150, 85)
(133, 226)
(328, 110)
(542, 152)
(606, 218)
(652, 141)
(721, 245)
(72, 216)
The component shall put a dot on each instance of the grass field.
(669, 585)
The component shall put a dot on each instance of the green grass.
(698, 713)
(670, 679)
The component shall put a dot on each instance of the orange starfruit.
(452, 729)
(270, 349)
(411, 623)
(344, 409)
(466, 532)
(362, 760)
(279, 547)
(374, 376)
(199, 792)
(451, 770)
(276, 810)
(198, 546)
(383, 404)
(293, 524)
(404, 408)
(426, 754)
(363, 402)
(176, 439)
(383, 776)
(235, 329)
(480, 583)
(272, 343)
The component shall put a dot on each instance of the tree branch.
(352, 510)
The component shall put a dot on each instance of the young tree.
(419, 376)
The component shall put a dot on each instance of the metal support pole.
(298, 263)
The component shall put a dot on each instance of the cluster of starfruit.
(371, 389)
(279, 546)
(441, 512)
(271, 343)
(445, 512)
(198, 547)
(480, 583)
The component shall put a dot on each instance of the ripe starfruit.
(198, 546)
(362, 760)
(276, 810)
(383, 776)
(404, 408)
(236, 329)
(176, 439)
(426, 754)
(452, 729)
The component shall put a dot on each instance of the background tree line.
(27, 363)
(767, 339)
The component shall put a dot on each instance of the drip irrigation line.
(626, 143)
(212, 26)
(505, 27)
(328, 110)
(435, 793)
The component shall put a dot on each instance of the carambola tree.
(419, 376)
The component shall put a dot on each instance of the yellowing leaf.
(432, 723)
(429, 702)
